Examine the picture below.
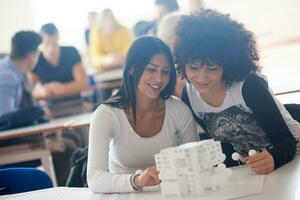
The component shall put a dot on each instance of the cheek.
(218, 76)
(166, 78)
(190, 74)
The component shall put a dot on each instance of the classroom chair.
(17, 180)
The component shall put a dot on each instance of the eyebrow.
(158, 65)
(198, 65)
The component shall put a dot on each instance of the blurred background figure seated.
(59, 76)
(58, 79)
(109, 42)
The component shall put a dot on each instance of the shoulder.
(108, 112)
(103, 108)
(69, 49)
(254, 85)
(255, 80)
(177, 106)
(8, 77)
(123, 29)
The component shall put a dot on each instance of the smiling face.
(155, 77)
(205, 78)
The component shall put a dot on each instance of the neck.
(216, 95)
(144, 104)
(54, 58)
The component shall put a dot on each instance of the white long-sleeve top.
(116, 151)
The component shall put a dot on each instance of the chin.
(153, 96)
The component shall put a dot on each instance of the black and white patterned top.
(248, 118)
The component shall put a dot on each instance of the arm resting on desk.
(98, 178)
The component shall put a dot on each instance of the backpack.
(23, 117)
(77, 176)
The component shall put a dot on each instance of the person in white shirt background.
(137, 122)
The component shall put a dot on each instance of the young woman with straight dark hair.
(141, 119)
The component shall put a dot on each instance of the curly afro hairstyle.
(213, 38)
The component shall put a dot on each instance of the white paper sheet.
(243, 182)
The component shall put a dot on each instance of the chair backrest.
(17, 180)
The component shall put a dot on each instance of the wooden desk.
(109, 79)
(289, 98)
(111, 75)
(282, 184)
(20, 153)
(53, 125)
(79, 121)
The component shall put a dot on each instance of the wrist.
(134, 184)
(136, 180)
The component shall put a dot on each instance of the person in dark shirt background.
(59, 71)
(58, 79)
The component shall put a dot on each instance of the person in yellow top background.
(109, 42)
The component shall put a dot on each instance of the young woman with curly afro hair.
(227, 95)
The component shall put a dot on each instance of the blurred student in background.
(109, 42)
(59, 74)
(162, 8)
(92, 19)
(195, 5)
(58, 79)
(15, 95)
(14, 88)
(166, 32)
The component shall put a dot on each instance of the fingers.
(148, 178)
(255, 158)
(261, 163)
(152, 172)
(265, 169)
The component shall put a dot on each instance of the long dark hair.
(138, 57)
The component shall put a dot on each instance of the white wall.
(15, 15)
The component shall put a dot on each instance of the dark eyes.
(210, 67)
(194, 67)
(164, 70)
(150, 69)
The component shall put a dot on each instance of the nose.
(202, 73)
(159, 76)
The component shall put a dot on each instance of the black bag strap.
(186, 100)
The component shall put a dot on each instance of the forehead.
(49, 38)
(201, 63)
(160, 60)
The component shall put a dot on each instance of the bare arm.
(79, 83)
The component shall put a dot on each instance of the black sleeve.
(258, 97)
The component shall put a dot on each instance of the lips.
(155, 87)
(202, 85)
